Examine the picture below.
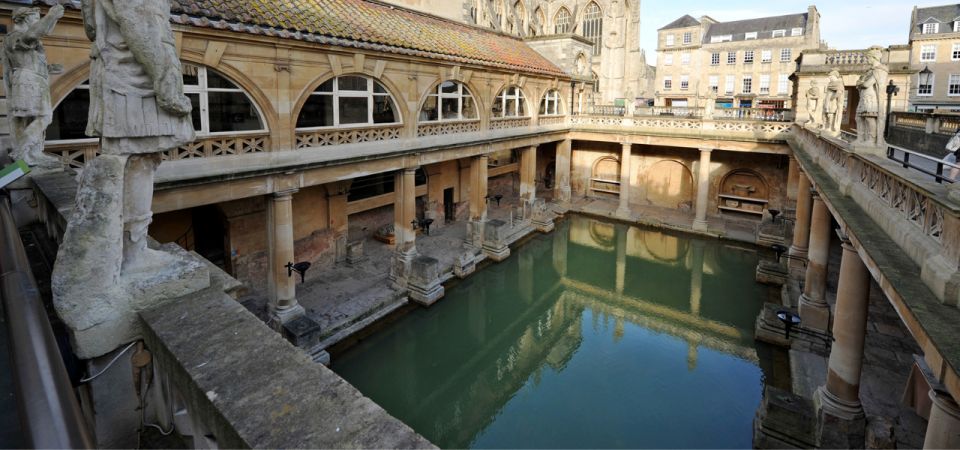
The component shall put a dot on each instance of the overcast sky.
(849, 24)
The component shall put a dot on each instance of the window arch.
(562, 21)
(349, 100)
(520, 16)
(605, 175)
(510, 102)
(451, 100)
(541, 22)
(219, 105)
(593, 26)
(550, 104)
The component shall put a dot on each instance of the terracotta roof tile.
(363, 24)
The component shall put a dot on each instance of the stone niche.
(744, 191)
(669, 184)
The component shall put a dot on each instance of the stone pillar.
(943, 427)
(838, 402)
(405, 211)
(337, 215)
(528, 174)
(801, 229)
(281, 285)
(564, 152)
(703, 190)
(793, 175)
(626, 153)
(814, 310)
(560, 238)
(696, 276)
(478, 188)
(621, 275)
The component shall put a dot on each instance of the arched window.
(550, 105)
(450, 101)
(562, 21)
(70, 116)
(541, 24)
(520, 15)
(605, 176)
(593, 26)
(219, 106)
(510, 103)
(596, 83)
(349, 100)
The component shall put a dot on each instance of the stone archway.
(669, 184)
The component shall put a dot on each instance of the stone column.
(696, 276)
(703, 190)
(943, 427)
(478, 188)
(801, 229)
(337, 215)
(839, 399)
(560, 238)
(814, 310)
(793, 175)
(621, 275)
(281, 285)
(564, 151)
(528, 174)
(405, 211)
(626, 153)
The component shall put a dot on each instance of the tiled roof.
(683, 22)
(945, 15)
(364, 24)
(763, 26)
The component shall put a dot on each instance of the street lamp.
(892, 90)
(925, 79)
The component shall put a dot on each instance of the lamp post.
(924, 79)
(892, 90)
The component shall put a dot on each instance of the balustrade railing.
(327, 137)
(678, 111)
(684, 126)
(942, 172)
(931, 123)
(507, 123)
(847, 58)
(552, 120)
(606, 110)
(762, 114)
(445, 128)
(210, 146)
(74, 154)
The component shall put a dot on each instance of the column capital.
(410, 169)
(815, 194)
(285, 194)
(706, 150)
(945, 402)
(845, 241)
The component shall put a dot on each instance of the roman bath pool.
(598, 335)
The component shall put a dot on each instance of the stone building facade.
(746, 63)
(935, 45)
(612, 27)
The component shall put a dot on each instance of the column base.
(623, 211)
(400, 270)
(280, 317)
(799, 252)
(424, 286)
(840, 424)
(814, 315)
(943, 428)
(700, 225)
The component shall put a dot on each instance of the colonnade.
(838, 400)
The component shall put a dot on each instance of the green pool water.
(599, 335)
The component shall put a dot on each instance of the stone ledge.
(253, 389)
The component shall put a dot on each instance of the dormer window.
(931, 28)
(750, 36)
(724, 38)
(779, 33)
(956, 26)
(796, 32)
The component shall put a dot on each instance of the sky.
(844, 24)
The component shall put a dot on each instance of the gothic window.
(593, 26)
(510, 103)
(450, 101)
(350, 100)
(562, 21)
(520, 15)
(550, 105)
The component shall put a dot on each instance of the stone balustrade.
(506, 123)
(206, 147)
(846, 58)
(445, 128)
(327, 137)
(552, 120)
(767, 130)
(75, 154)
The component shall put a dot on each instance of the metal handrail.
(940, 165)
(49, 412)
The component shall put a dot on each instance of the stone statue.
(833, 104)
(870, 110)
(710, 104)
(813, 104)
(27, 83)
(105, 271)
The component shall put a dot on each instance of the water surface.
(596, 336)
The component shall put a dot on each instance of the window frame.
(783, 84)
(335, 94)
(934, 28)
(669, 40)
(553, 97)
(687, 38)
(713, 82)
(730, 84)
(715, 59)
(766, 56)
(778, 33)
(684, 82)
(504, 97)
(794, 32)
(685, 59)
(668, 83)
(786, 54)
(750, 36)
(953, 85)
(203, 90)
(748, 56)
(731, 58)
(955, 52)
(668, 59)
(462, 92)
(746, 84)
(721, 38)
(562, 18)
(593, 26)
(929, 87)
(764, 84)
(928, 56)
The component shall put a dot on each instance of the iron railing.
(942, 172)
(49, 412)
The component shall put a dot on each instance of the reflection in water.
(599, 335)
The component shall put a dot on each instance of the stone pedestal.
(494, 242)
(424, 285)
(465, 265)
(355, 254)
(814, 310)
(703, 190)
(772, 272)
(302, 332)
(784, 420)
(564, 151)
(475, 234)
(541, 218)
(626, 153)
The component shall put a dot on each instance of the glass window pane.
(191, 80)
(327, 86)
(317, 112)
(543, 107)
(70, 117)
(353, 110)
(469, 108)
(352, 83)
(448, 87)
(498, 106)
(232, 111)
(522, 107)
(195, 112)
(378, 88)
(384, 110)
(511, 108)
(450, 108)
(429, 111)
(216, 81)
